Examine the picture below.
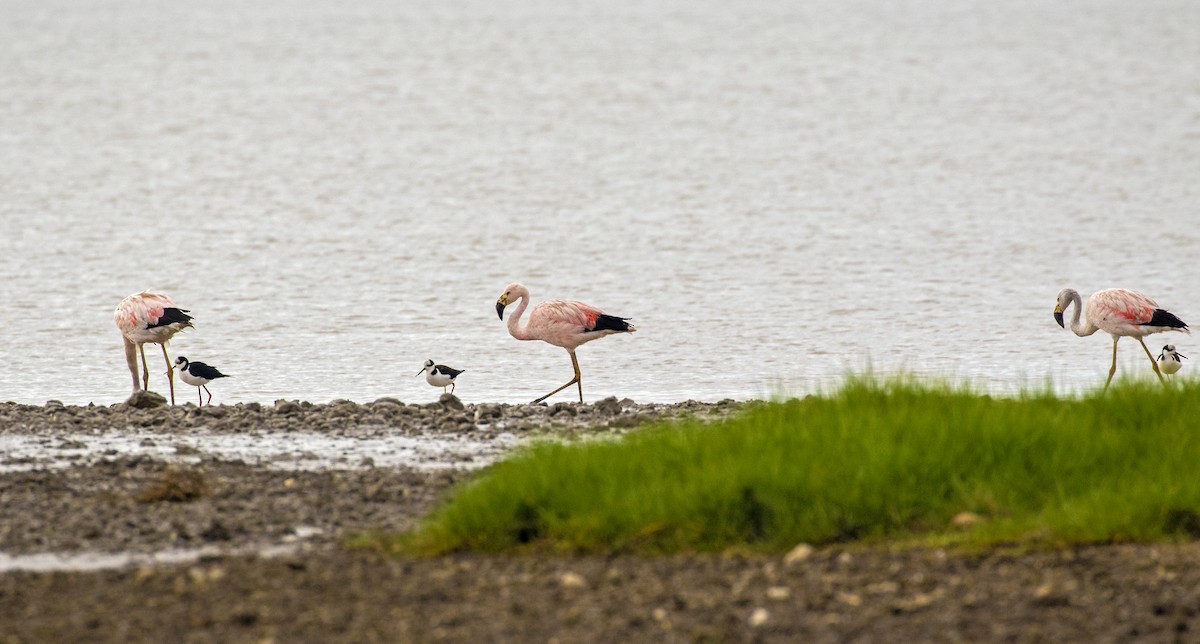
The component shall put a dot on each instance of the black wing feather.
(1163, 317)
(201, 370)
(606, 322)
(172, 315)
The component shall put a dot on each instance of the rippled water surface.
(776, 192)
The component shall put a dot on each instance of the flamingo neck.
(515, 329)
(1077, 327)
(131, 360)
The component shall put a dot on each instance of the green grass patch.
(874, 461)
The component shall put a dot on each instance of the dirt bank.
(1106, 594)
(188, 498)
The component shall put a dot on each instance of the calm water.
(776, 192)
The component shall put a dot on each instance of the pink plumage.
(563, 323)
(1119, 312)
(149, 317)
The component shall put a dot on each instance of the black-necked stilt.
(149, 317)
(198, 374)
(1169, 360)
(439, 375)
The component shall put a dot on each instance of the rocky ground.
(260, 556)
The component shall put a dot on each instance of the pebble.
(608, 407)
(965, 520)
(146, 400)
(799, 553)
(450, 401)
(286, 407)
(778, 592)
(572, 580)
(849, 599)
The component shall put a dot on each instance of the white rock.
(572, 580)
(799, 553)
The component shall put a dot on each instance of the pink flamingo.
(563, 323)
(1119, 312)
(149, 317)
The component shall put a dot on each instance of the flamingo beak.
(1058, 315)
(500, 308)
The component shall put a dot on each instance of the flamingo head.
(1065, 298)
(512, 293)
(427, 367)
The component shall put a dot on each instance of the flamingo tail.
(1166, 318)
(613, 323)
(173, 315)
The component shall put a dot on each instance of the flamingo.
(563, 323)
(149, 317)
(198, 374)
(1169, 360)
(439, 375)
(1119, 312)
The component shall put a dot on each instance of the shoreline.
(71, 477)
(266, 560)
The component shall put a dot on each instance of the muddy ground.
(311, 589)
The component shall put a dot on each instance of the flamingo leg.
(576, 379)
(578, 376)
(145, 368)
(170, 372)
(1113, 369)
(1153, 362)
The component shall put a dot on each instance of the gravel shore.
(174, 535)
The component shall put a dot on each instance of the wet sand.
(169, 541)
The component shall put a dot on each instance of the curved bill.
(500, 309)
(1058, 318)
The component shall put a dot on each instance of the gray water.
(777, 193)
(283, 450)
